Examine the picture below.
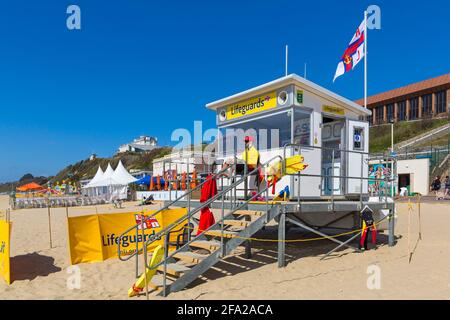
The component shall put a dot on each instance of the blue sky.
(149, 67)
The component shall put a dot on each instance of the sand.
(42, 273)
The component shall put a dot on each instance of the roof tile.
(409, 89)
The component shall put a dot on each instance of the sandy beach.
(41, 273)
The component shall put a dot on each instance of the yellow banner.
(95, 237)
(333, 110)
(5, 245)
(251, 106)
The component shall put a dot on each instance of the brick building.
(421, 100)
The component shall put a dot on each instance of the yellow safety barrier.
(94, 238)
(5, 245)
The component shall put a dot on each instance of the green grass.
(443, 141)
(380, 136)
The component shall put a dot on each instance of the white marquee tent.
(111, 184)
(98, 176)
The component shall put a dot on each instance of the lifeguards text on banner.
(94, 238)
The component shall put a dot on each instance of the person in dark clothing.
(436, 185)
(368, 224)
(447, 186)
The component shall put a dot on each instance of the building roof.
(406, 90)
(284, 81)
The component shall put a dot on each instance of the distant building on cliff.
(141, 144)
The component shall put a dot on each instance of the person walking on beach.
(436, 186)
(447, 186)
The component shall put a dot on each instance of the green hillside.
(380, 136)
(86, 169)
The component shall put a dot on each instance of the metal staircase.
(197, 254)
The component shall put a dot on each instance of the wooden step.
(189, 257)
(218, 233)
(248, 213)
(204, 244)
(237, 223)
(157, 281)
(174, 269)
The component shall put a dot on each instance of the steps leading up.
(248, 213)
(189, 257)
(205, 244)
(237, 223)
(174, 269)
(218, 234)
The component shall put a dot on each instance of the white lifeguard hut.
(294, 115)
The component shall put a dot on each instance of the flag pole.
(365, 59)
(286, 65)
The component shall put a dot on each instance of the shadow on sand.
(265, 253)
(32, 265)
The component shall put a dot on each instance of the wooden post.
(49, 225)
(420, 220)
(409, 230)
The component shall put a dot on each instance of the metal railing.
(365, 159)
(220, 195)
(147, 218)
(165, 233)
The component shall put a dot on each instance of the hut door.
(357, 157)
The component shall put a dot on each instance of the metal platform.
(295, 206)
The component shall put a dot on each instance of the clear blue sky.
(148, 67)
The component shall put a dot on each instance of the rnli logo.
(148, 223)
(347, 59)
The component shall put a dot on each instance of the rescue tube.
(139, 285)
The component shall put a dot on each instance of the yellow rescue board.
(295, 164)
(292, 164)
(139, 285)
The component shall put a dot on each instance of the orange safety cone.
(194, 179)
(158, 182)
(152, 185)
(183, 181)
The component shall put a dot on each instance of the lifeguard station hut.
(287, 117)
(322, 126)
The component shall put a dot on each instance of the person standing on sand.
(436, 186)
(447, 186)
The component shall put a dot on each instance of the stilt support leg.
(281, 240)
(391, 227)
(248, 244)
